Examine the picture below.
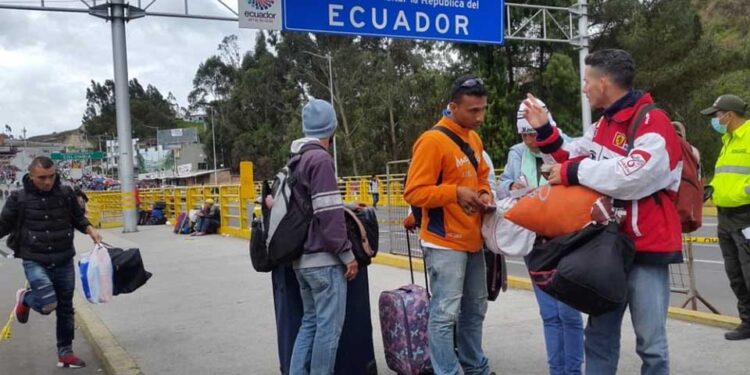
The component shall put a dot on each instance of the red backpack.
(690, 194)
(689, 200)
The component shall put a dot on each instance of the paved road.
(32, 349)
(711, 280)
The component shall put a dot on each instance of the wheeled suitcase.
(404, 315)
(178, 222)
(356, 353)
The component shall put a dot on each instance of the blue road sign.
(471, 21)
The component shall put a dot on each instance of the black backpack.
(14, 238)
(258, 235)
(129, 273)
(587, 270)
(363, 232)
(284, 226)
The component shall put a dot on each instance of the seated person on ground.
(208, 219)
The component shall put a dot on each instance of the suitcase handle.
(411, 266)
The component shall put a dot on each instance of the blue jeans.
(563, 334)
(648, 299)
(459, 301)
(206, 225)
(53, 284)
(323, 292)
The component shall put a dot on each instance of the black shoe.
(740, 333)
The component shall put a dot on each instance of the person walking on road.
(374, 191)
(327, 262)
(41, 217)
(448, 180)
(646, 178)
(731, 194)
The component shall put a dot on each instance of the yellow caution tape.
(5, 334)
(706, 240)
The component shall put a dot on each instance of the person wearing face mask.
(731, 194)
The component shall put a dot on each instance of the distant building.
(75, 139)
(177, 137)
(113, 154)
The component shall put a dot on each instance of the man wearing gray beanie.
(327, 261)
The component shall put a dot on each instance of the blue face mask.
(718, 126)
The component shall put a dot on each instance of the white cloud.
(47, 60)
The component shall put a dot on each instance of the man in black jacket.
(42, 217)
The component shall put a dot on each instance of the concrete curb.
(713, 320)
(115, 360)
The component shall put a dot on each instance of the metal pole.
(330, 86)
(122, 105)
(583, 24)
(213, 137)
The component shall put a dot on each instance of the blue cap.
(318, 119)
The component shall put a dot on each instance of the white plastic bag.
(97, 281)
(501, 236)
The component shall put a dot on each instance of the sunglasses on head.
(472, 82)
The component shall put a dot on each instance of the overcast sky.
(48, 59)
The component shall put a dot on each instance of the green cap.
(726, 102)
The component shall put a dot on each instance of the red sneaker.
(22, 311)
(70, 361)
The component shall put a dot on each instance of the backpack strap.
(636, 123)
(461, 144)
(633, 131)
(21, 208)
(362, 232)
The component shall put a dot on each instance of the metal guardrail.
(104, 209)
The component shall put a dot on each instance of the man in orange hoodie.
(448, 182)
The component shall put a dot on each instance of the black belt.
(734, 210)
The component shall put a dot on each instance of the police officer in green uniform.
(731, 194)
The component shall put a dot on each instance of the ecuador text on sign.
(479, 21)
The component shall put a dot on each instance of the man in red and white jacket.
(647, 178)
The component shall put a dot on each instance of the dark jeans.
(206, 225)
(54, 284)
(375, 200)
(736, 251)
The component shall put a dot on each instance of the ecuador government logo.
(261, 4)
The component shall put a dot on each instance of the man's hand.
(486, 198)
(469, 200)
(410, 223)
(554, 175)
(351, 270)
(94, 234)
(535, 114)
(518, 185)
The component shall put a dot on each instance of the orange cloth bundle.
(553, 211)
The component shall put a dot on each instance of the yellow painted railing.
(104, 209)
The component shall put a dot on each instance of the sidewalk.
(32, 348)
(206, 311)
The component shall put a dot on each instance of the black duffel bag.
(586, 270)
(129, 273)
